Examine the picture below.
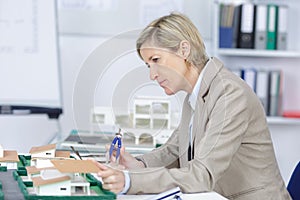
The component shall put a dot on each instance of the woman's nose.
(153, 72)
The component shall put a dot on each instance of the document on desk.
(194, 196)
(169, 194)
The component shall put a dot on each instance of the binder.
(249, 76)
(282, 28)
(272, 26)
(235, 26)
(226, 31)
(261, 27)
(247, 22)
(262, 88)
(275, 94)
(237, 72)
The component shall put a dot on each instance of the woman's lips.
(161, 83)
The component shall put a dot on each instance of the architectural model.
(42, 155)
(65, 178)
(8, 158)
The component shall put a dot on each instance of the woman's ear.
(184, 48)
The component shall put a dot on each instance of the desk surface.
(12, 191)
(197, 196)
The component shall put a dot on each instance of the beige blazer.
(232, 147)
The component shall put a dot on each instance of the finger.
(110, 179)
(107, 147)
(112, 187)
(100, 165)
(106, 173)
(115, 187)
(122, 150)
(117, 166)
(112, 157)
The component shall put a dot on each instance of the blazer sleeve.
(165, 155)
(223, 121)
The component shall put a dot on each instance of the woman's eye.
(155, 59)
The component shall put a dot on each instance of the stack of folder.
(229, 15)
(253, 26)
(268, 87)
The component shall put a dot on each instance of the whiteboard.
(111, 17)
(29, 66)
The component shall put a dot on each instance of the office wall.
(114, 17)
(84, 30)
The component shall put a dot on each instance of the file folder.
(282, 28)
(262, 88)
(247, 22)
(225, 39)
(261, 27)
(275, 93)
(235, 26)
(237, 72)
(272, 26)
(227, 35)
(249, 76)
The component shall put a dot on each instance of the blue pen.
(116, 145)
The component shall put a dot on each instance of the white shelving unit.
(293, 49)
(246, 55)
(283, 121)
(152, 113)
(258, 53)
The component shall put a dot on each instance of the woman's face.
(167, 68)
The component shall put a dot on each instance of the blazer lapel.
(184, 133)
(212, 68)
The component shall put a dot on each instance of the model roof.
(75, 166)
(38, 181)
(9, 156)
(42, 148)
(35, 170)
(62, 154)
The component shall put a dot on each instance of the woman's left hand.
(113, 179)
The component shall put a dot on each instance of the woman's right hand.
(128, 161)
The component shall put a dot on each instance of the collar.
(193, 96)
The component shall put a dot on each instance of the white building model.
(65, 178)
(8, 158)
(41, 156)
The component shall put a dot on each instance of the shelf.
(258, 53)
(152, 112)
(283, 121)
(293, 48)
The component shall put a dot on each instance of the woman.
(222, 143)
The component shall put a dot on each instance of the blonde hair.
(168, 31)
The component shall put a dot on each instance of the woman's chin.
(168, 91)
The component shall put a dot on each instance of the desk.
(12, 191)
(197, 196)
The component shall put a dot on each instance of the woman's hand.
(113, 179)
(126, 159)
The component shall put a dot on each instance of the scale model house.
(46, 151)
(65, 178)
(59, 186)
(8, 158)
(41, 156)
(33, 171)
